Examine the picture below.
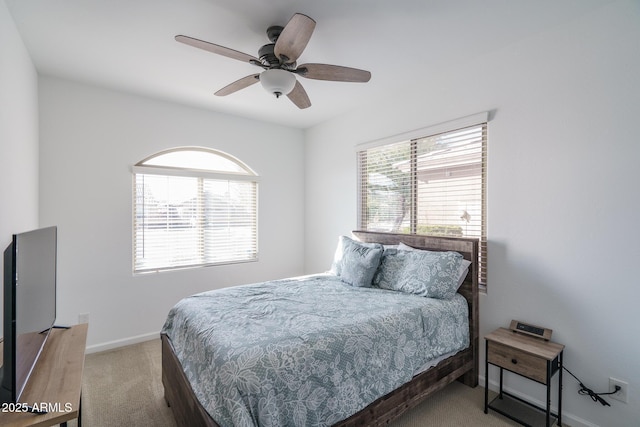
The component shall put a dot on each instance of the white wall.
(563, 198)
(18, 135)
(90, 138)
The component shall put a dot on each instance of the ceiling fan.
(278, 61)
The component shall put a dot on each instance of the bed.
(184, 387)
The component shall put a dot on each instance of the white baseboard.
(96, 348)
(567, 418)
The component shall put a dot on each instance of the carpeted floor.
(122, 387)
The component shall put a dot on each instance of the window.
(193, 207)
(431, 182)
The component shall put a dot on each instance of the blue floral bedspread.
(307, 351)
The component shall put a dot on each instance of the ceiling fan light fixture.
(278, 82)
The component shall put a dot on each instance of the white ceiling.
(129, 45)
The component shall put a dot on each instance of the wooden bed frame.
(463, 366)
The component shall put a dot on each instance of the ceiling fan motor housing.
(267, 56)
(266, 52)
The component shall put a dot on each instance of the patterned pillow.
(356, 262)
(425, 273)
(463, 269)
(391, 265)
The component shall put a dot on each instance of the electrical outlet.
(83, 318)
(621, 395)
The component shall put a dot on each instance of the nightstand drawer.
(518, 361)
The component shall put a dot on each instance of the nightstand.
(532, 358)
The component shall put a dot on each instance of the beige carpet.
(122, 387)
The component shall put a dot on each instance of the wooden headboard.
(469, 250)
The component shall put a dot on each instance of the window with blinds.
(193, 207)
(433, 184)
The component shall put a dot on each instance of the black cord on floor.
(584, 390)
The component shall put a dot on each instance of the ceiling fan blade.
(239, 84)
(220, 50)
(294, 38)
(299, 96)
(334, 73)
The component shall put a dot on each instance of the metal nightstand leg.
(560, 367)
(486, 377)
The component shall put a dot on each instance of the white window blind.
(435, 184)
(185, 217)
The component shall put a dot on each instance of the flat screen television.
(29, 306)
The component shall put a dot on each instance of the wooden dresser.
(56, 381)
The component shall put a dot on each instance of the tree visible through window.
(432, 185)
(193, 207)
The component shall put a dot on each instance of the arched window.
(193, 207)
